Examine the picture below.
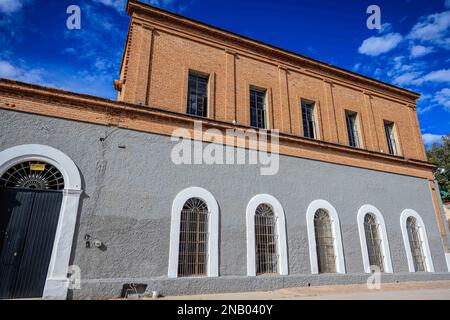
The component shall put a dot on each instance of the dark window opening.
(326, 258)
(258, 108)
(265, 240)
(390, 137)
(352, 129)
(309, 125)
(197, 103)
(373, 241)
(416, 244)
(193, 250)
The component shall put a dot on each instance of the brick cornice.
(158, 17)
(80, 107)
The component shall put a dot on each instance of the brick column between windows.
(230, 107)
(286, 122)
(372, 136)
(329, 114)
(139, 65)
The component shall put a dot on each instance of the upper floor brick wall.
(162, 49)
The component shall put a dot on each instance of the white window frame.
(281, 233)
(212, 269)
(387, 262)
(56, 283)
(335, 226)
(423, 235)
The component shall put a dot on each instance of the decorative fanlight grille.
(324, 242)
(265, 240)
(416, 244)
(35, 175)
(193, 250)
(373, 240)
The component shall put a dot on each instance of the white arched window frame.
(423, 236)
(336, 228)
(57, 282)
(280, 228)
(387, 262)
(212, 269)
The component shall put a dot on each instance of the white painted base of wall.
(447, 259)
(56, 289)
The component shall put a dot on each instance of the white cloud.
(433, 29)
(375, 46)
(70, 51)
(407, 78)
(120, 5)
(8, 71)
(420, 51)
(386, 27)
(436, 76)
(11, 6)
(443, 98)
(429, 138)
(415, 78)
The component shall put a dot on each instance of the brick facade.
(161, 49)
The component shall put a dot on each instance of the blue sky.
(411, 50)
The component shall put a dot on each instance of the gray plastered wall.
(130, 182)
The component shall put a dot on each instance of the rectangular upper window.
(197, 100)
(389, 130)
(352, 128)
(258, 112)
(308, 119)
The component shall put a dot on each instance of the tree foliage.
(439, 155)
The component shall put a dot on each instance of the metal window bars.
(35, 175)
(416, 244)
(193, 249)
(265, 240)
(326, 259)
(373, 241)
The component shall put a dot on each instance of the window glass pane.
(416, 244)
(352, 129)
(390, 137)
(373, 241)
(309, 126)
(257, 109)
(197, 102)
(192, 257)
(326, 259)
(265, 240)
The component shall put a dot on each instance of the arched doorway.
(39, 197)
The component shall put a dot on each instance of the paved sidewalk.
(431, 290)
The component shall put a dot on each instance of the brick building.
(353, 189)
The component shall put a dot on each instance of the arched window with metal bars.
(326, 258)
(36, 175)
(265, 240)
(193, 245)
(416, 244)
(374, 241)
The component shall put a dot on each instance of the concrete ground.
(432, 290)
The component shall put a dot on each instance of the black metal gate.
(28, 221)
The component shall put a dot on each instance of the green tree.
(439, 155)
